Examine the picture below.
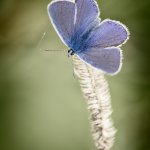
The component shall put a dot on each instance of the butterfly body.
(80, 28)
(80, 38)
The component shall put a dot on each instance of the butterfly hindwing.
(106, 59)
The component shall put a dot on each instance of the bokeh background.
(41, 106)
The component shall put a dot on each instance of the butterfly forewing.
(109, 33)
(62, 14)
(86, 12)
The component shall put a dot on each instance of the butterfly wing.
(106, 59)
(62, 14)
(86, 12)
(99, 47)
(71, 20)
(109, 33)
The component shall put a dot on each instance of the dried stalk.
(96, 92)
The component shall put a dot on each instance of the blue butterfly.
(80, 28)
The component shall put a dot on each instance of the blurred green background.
(41, 106)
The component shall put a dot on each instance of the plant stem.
(96, 93)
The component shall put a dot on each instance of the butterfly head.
(70, 52)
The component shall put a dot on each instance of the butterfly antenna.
(38, 45)
(42, 38)
(52, 50)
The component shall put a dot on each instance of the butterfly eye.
(70, 52)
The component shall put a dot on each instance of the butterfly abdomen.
(79, 42)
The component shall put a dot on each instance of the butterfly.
(80, 28)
